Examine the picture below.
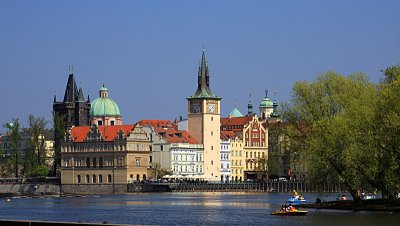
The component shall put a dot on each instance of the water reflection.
(184, 209)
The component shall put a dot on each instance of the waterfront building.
(99, 155)
(176, 151)
(252, 141)
(204, 121)
(104, 111)
(74, 107)
(225, 150)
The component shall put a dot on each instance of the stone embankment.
(50, 223)
(364, 205)
(19, 187)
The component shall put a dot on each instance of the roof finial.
(72, 69)
(203, 46)
(69, 69)
(235, 102)
(266, 93)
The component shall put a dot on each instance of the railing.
(257, 187)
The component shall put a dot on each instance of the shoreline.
(365, 205)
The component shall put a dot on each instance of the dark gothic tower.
(74, 106)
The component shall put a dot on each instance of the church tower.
(204, 120)
(73, 107)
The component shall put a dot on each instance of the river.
(194, 208)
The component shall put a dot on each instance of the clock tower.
(204, 121)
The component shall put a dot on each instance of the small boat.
(290, 213)
(296, 200)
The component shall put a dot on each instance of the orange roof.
(173, 135)
(236, 121)
(156, 123)
(79, 133)
(226, 135)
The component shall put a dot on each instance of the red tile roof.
(236, 121)
(226, 135)
(79, 133)
(173, 135)
(157, 123)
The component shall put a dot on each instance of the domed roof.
(103, 105)
(266, 102)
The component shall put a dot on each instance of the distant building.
(249, 148)
(104, 111)
(74, 107)
(204, 121)
(225, 149)
(175, 150)
(104, 155)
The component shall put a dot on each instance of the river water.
(195, 208)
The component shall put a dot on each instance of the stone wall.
(93, 189)
(29, 189)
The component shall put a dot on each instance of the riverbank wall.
(49, 223)
(8, 190)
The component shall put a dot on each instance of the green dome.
(266, 102)
(104, 107)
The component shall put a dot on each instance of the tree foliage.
(325, 118)
(59, 133)
(15, 137)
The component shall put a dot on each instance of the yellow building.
(249, 151)
(105, 155)
(204, 121)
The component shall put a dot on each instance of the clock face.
(196, 108)
(211, 108)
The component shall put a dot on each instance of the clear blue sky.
(147, 52)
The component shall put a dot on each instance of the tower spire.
(250, 107)
(203, 80)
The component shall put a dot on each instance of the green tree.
(15, 138)
(59, 129)
(319, 127)
(262, 168)
(391, 73)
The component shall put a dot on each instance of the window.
(222, 165)
(212, 133)
(100, 123)
(201, 169)
(87, 179)
(161, 148)
(212, 119)
(112, 123)
(87, 162)
(251, 154)
(109, 178)
(212, 162)
(101, 162)
(109, 162)
(212, 148)
(137, 177)
(94, 179)
(227, 165)
(263, 155)
(222, 156)
(137, 162)
(78, 179)
(246, 154)
(100, 179)
(94, 163)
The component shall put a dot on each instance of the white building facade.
(225, 160)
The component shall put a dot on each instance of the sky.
(147, 52)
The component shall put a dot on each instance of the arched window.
(101, 162)
(87, 179)
(109, 178)
(138, 177)
(87, 162)
(236, 178)
(100, 179)
(78, 179)
(94, 179)
(94, 162)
